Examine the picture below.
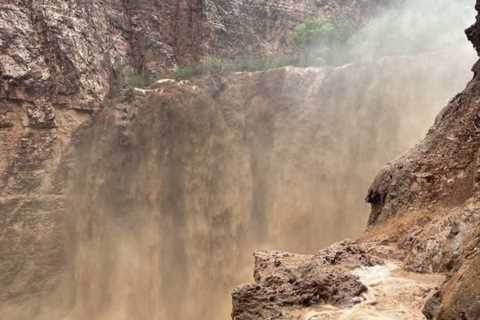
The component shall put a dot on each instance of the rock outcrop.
(459, 297)
(441, 170)
(433, 189)
(284, 281)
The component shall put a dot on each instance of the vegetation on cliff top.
(219, 66)
(316, 38)
(125, 77)
(320, 39)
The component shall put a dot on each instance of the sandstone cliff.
(63, 52)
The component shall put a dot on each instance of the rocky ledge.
(284, 281)
(349, 280)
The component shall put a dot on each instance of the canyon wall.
(434, 189)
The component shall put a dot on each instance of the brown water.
(172, 193)
(392, 295)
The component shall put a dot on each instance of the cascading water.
(167, 209)
(170, 193)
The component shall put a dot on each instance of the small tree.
(319, 37)
(125, 77)
(312, 31)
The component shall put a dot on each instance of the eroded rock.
(284, 280)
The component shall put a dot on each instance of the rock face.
(65, 50)
(441, 170)
(284, 281)
(439, 179)
(459, 298)
(430, 173)
(374, 288)
(249, 27)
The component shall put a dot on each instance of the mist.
(413, 27)
(170, 194)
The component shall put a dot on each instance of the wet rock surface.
(387, 291)
(433, 189)
(285, 280)
(459, 297)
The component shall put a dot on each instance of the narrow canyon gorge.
(128, 192)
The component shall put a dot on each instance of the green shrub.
(321, 38)
(125, 77)
(315, 31)
(186, 72)
(218, 66)
(312, 31)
